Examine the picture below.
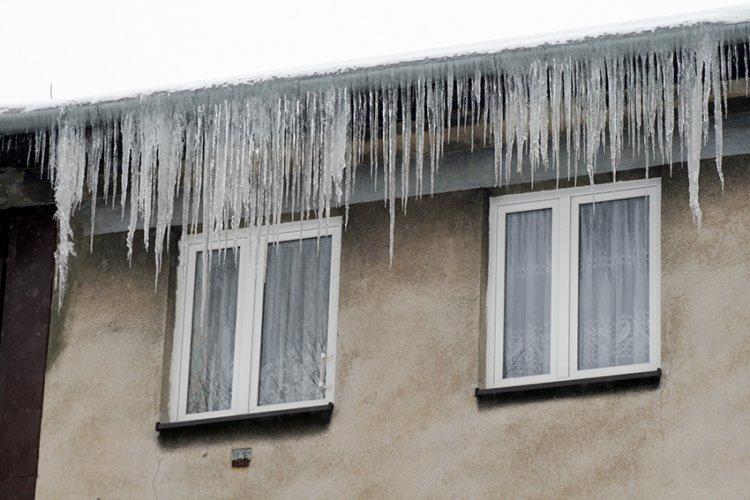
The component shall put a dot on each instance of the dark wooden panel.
(23, 345)
(18, 488)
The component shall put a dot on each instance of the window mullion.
(565, 295)
(574, 210)
(256, 325)
(243, 353)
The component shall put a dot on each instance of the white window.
(573, 288)
(266, 339)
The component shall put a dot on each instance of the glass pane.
(212, 340)
(295, 320)
(528, 293)
(613, 283)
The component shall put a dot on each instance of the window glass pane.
(528, 293)
(295, 320)
(613, 283)
(212, 339)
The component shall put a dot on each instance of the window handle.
(322, 370)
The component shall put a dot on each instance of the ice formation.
(245, 154)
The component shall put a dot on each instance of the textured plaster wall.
(406, 423)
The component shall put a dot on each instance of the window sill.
(649, 377)
(326, 409)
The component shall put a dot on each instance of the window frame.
(565, 205)
(249, 321)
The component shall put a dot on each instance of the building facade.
(539, 290)
(411, 350)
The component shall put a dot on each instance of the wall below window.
(406, 421)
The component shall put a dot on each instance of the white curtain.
(295, 320)
(528, 293)
(613, 284)
(212, 339)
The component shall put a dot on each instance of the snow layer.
(725, 15)
(239, 154)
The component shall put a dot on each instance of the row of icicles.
(249, 156)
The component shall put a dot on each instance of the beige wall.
(406, 422)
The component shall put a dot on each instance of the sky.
(62, 50)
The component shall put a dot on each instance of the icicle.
(486, 83)
(615, 96)
(67, 167)
(537, 82)
(390, 105)
(476, 99)
(717, 89)
(419, 129)
(93, 159)
(693, 118)
(405, 143)
(496, 119)
(373, 127)
(668, 88)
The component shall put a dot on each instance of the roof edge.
(15, 119)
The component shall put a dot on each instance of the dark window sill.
(563, 386)
(326, 410)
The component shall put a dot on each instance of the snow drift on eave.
(244, 154)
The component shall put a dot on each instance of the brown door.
(27, 243)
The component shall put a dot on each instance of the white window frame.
(252, 272)
(565, 204)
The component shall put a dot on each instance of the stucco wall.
(406, 422)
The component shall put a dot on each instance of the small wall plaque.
(241, 457)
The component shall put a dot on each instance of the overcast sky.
(86, 48)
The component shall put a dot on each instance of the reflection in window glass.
(528, 293)
(613, 283)
(295, 320)
(212, 339)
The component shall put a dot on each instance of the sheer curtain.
(212, 339)
(295, 320)
(613, 292)
(528, 293)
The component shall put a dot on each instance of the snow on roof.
(723, 16)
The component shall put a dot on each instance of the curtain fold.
(528, 293)
(295, 320)
(212, 338)
(613, 286)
